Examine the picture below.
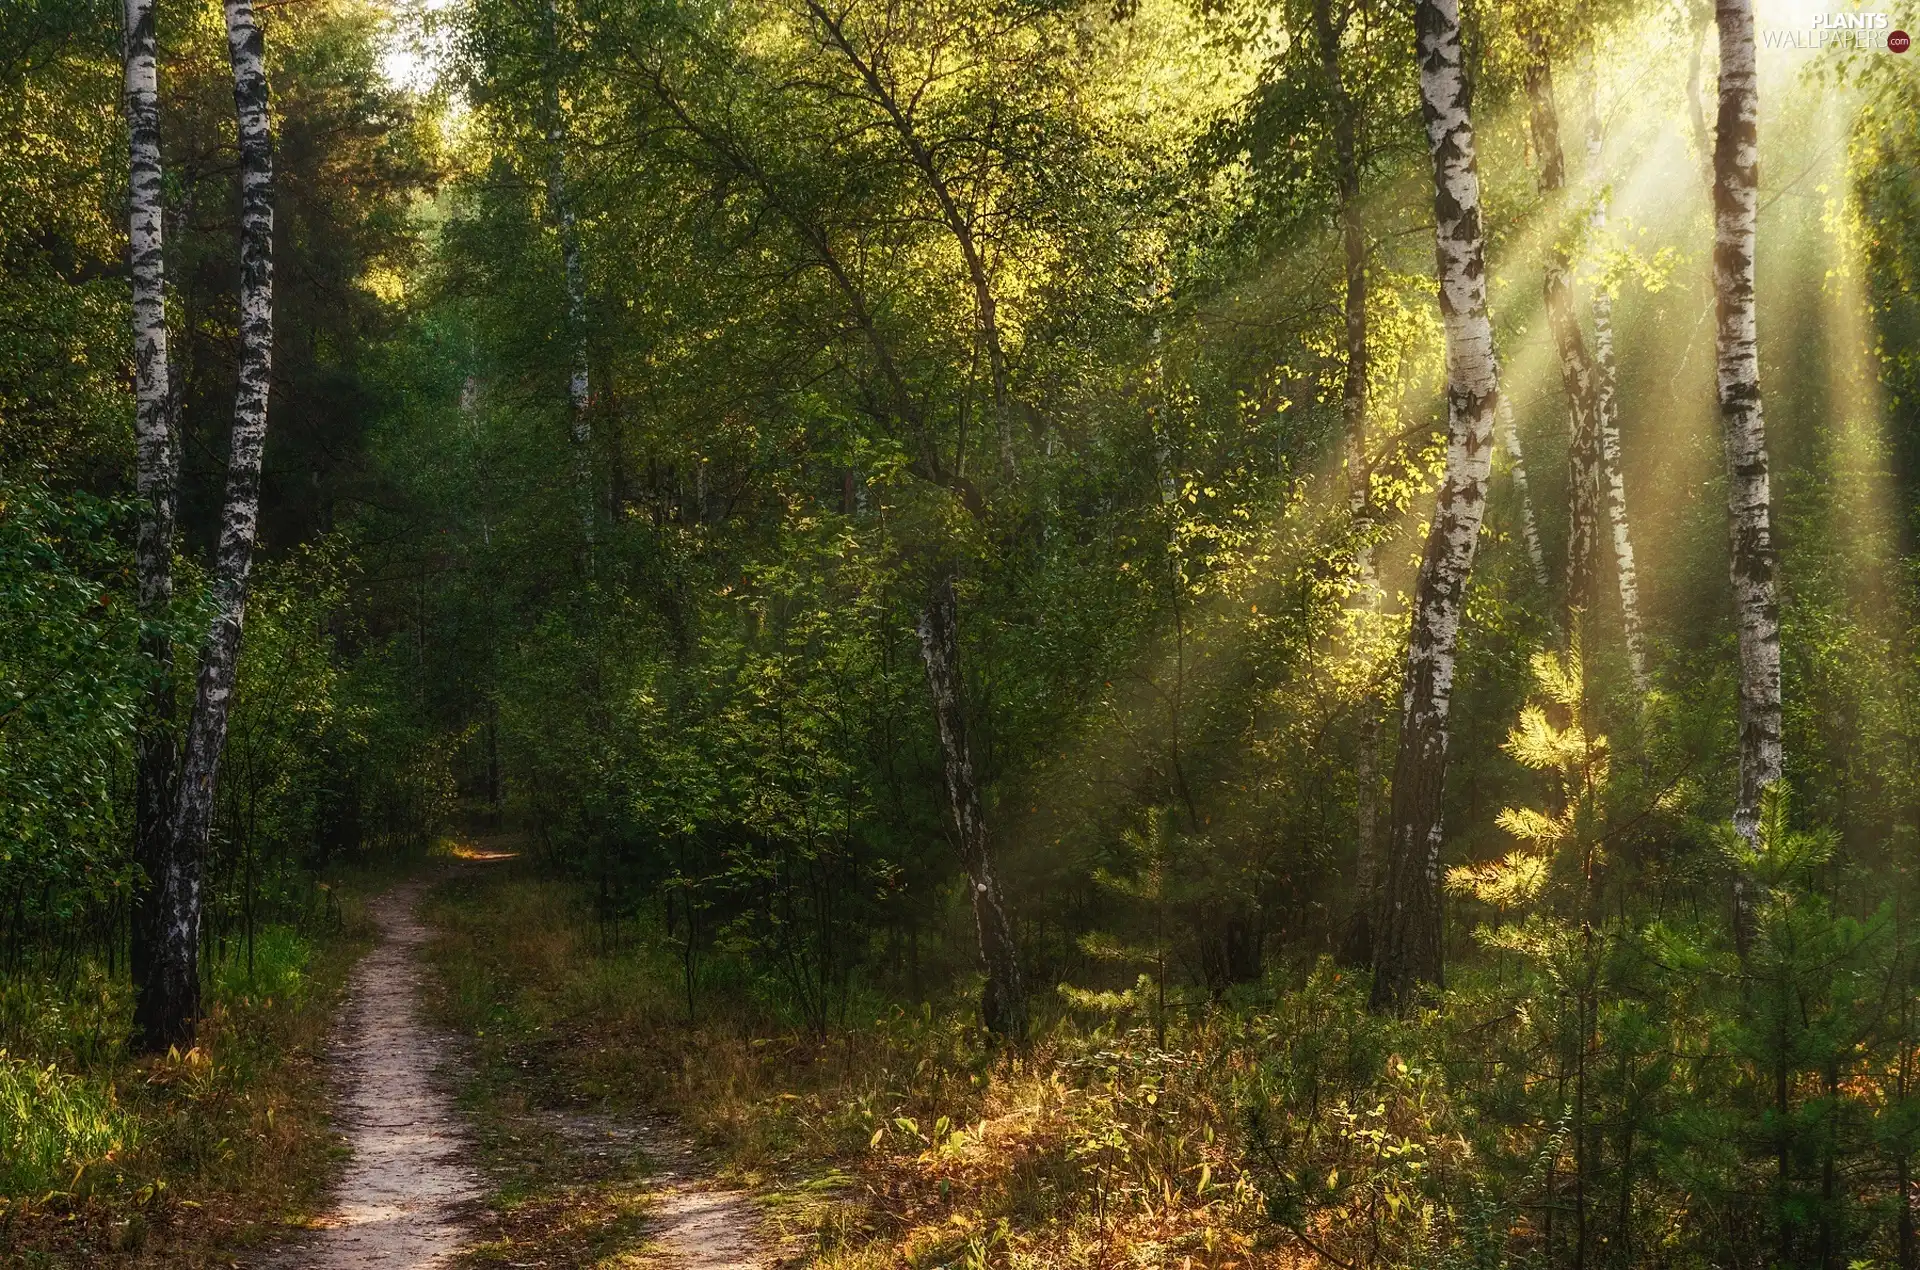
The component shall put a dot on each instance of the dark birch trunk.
(176, 978)
(1407, 949)
(1577, 375)
(154, 480)
(1606, 401)
(560, 207)
(1736, 166)
(1353, 414)
(1003, 1004)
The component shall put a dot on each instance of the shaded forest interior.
(1293, 626)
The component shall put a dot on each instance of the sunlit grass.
(54, 1126)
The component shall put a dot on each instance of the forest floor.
(508, 1173)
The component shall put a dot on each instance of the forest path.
(410, 1195)
(691, 1225)
(401, 1202)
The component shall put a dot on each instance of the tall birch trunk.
(154, 482)
(1606, 401)
(1736, 167)
(1529, 525)
(176, 981)
(1577, 374)
(1353, 415)
(560, 207)
(1003, 1004)
(1407, 949)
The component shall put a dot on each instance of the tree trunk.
(1353, 412)
(154, 481)
(176, 980)
(1606, 401)
(1576, 366)
(1407, 951)
(1003, 1005)
(1529, 527)
(1736, 168)
(579, 399)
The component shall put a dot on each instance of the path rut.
(402, 1200)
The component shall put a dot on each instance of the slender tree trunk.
(1003, 1005)
(154, 481)
(1529, 526)
(176, 980)
(1576, 366)
(1353, 413)
(1736, 165)
(1606, 401)
(1407, 951)
(560, 207)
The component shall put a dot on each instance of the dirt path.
(400, 1204)
(689, 1226)
(408, 1194)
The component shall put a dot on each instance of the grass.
(112, 1160)
(902, 1141)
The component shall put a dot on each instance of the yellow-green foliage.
(54, 1126)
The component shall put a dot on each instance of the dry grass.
(233, 1147)
(904, 1142)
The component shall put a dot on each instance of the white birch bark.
(560, 207)
(1529, 526)
(154, 482)
(1736, 164)
(1606, 400)
(1407, 951)
(1003, 1005)
(240, 514)
(1577, 373)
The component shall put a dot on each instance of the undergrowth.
(903, 1139)
(108, 1159)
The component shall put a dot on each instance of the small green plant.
(54, 1127)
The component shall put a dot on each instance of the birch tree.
(155, 464)
(1606, 401)
(1577, 374)
(560, 208)
(1003, 1004)
(1736, 173)
(1407, 949)
(1529, 524)
(170, 995)
(902, 410)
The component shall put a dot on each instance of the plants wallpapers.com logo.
(1841, 32)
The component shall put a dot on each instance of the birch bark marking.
(177, 976)
(1529, 527)
(154, 480)
(560, 207)
(1407, 951)
(1353, 412)
(1736, 167)
(1576, 365)
(1003, 1005)
(1606, 401)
